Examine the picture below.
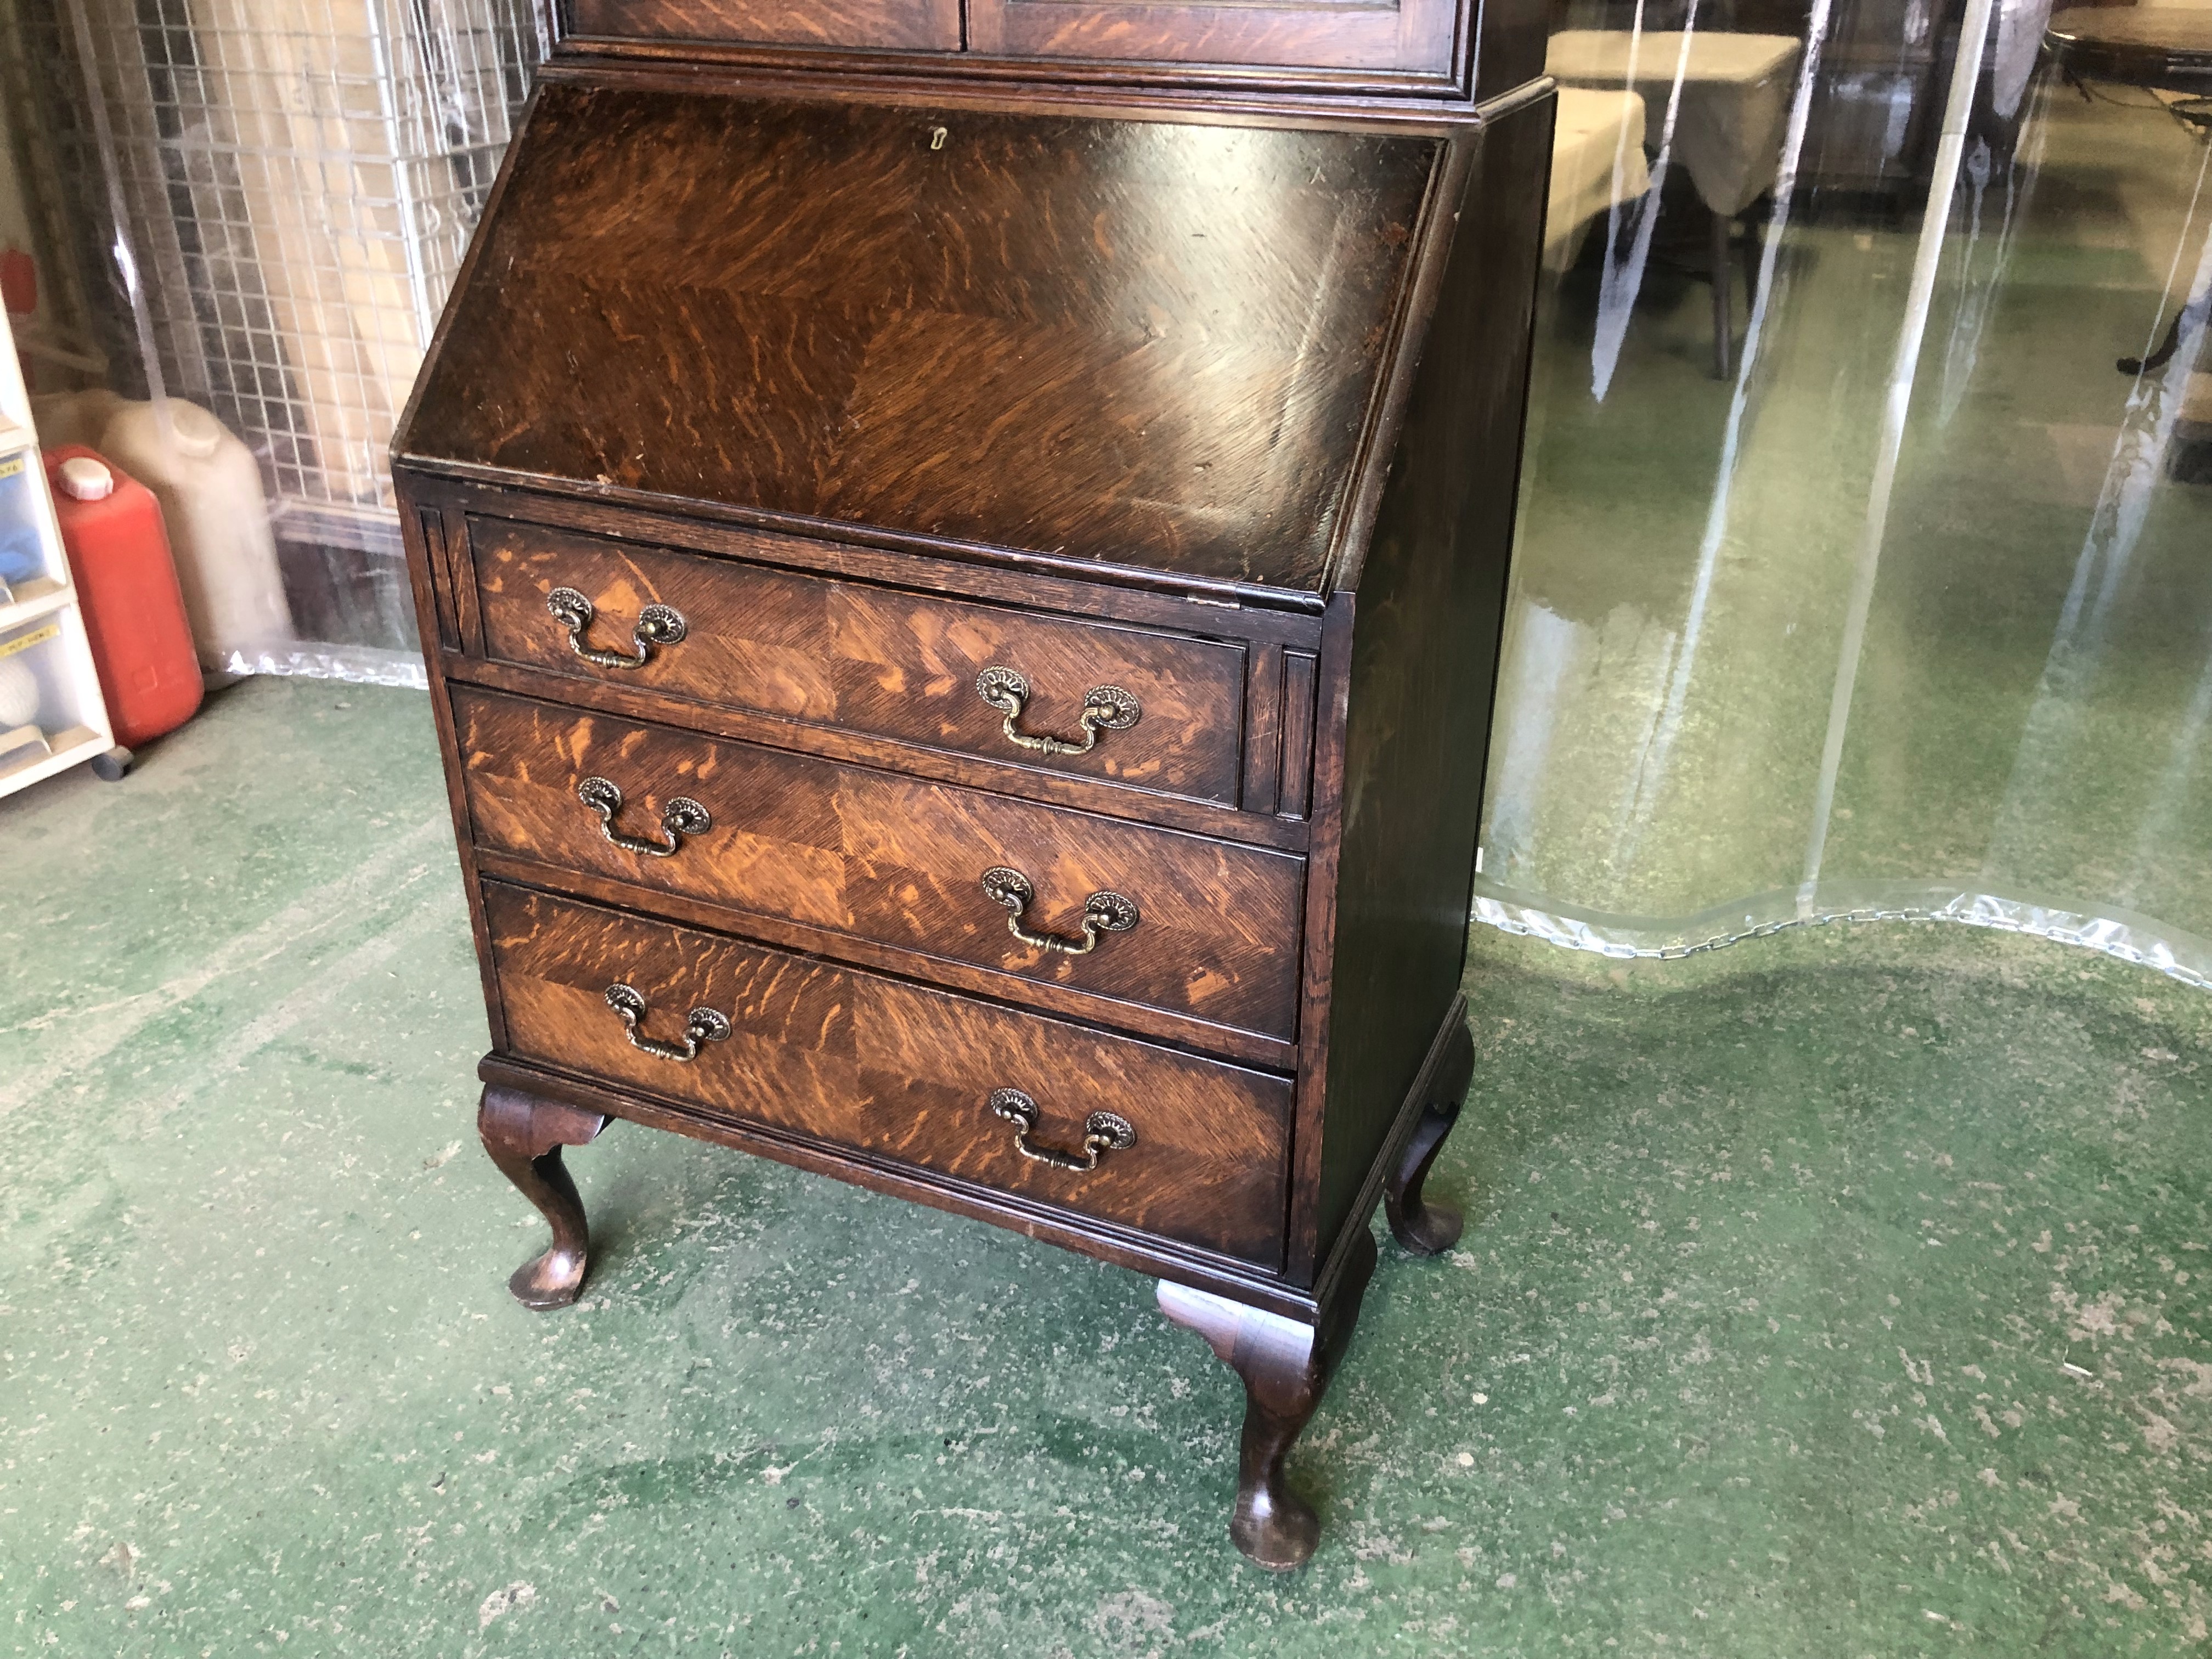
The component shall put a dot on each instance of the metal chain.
(1767, 930)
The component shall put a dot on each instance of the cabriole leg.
(1423, 1228)
(525, 1135)
(1286, 1365)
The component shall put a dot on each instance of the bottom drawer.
(896, 1070)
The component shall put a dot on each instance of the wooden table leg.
(1286, 1365)
(1423, 1228)
(525, 1135)
(1723, 297)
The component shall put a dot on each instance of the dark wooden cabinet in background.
(963, 590)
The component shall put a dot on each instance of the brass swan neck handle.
(657, 625)
(1105, 709)
(680, 818)
(1103, 1132)
(701, 1026)
(1103, 912)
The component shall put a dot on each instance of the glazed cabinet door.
(913, 25)
(1404, 37)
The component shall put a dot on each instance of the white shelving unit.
(42, 628)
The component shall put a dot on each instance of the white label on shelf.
(36, 636)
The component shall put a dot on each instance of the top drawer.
(875, 660)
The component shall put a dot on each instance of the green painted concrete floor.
(1842, 1294)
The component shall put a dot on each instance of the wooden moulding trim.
(1495, 109)
(443, 585)
(461, 571)
(1402, 1131)
(1288, 112)
(1125, 803)
(1239, 1281)
(1122, 75)
(1259, 767)
(821, 530)
(1140, 1021)
(415, 538)
(1317, 942)
(1199, 618)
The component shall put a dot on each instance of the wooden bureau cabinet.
(1394, 45)
(962, 609)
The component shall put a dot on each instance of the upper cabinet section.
(1122, 342)
(1414, 36)
(913, 25)
(1419, 42)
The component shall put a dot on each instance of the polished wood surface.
(886, 366)
(1410, 51)
(931, 25)
(873, 659)
(1422, 1225)
(1424, 623)
(897, 860)
(1129, 342)
(1409, 35)
(524, 1136)
(864, 1061)
(1286, 1365)
(1376, 34)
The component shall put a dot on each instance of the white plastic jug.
(218, 521)
(74, 417)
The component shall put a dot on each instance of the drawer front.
(898, 860)
(881, 1067)
(870, 659)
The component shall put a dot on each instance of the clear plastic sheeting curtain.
(1910, 614)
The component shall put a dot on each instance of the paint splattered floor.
(1843, 1294)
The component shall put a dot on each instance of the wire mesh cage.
(322, 162)
(295, 182)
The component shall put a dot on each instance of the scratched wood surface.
(895, 859)
(894, 1069)
(871, 658)
(915, 24)
(1130, 342)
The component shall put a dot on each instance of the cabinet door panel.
(1409, 36)
(915, 25)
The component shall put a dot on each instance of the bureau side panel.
(1428, 612)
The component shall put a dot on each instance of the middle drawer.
(1205, 929)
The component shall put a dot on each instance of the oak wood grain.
(891, 858)
(859, 1060)
(875, 659)
(1046, 996)
(1163, 348)
(1344, 93)
(1252, 614)
(836, 743)
(1409, 35)
(1133, 341)
(931, 25)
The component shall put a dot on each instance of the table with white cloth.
(1730, 118)
(1597, 161)
(2166, 49)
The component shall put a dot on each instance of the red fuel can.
(126, 581)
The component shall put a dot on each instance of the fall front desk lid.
(1138, 343)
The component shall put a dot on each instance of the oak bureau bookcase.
(961, 546)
